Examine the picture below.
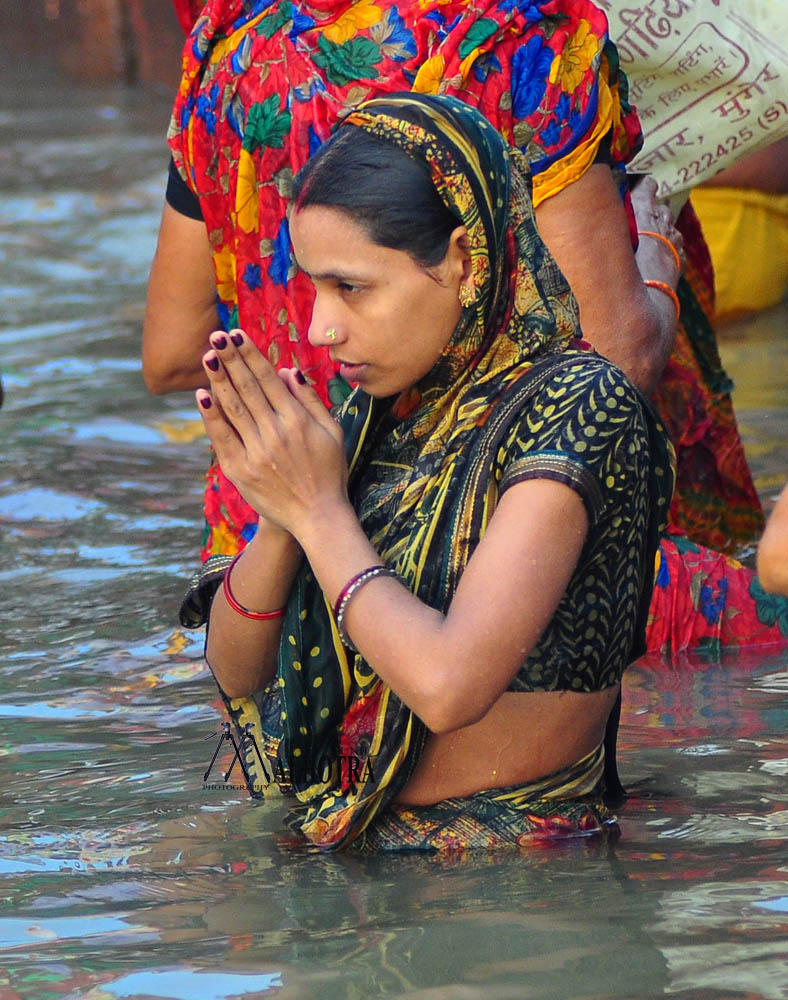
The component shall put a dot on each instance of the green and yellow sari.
(515, 395)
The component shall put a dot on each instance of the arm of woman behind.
(586, 228)
(773, 549)
(180, 309)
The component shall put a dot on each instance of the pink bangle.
(239, 608)
(666, 241)
(652, 283)
(354, 584)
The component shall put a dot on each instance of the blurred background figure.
(744, 215)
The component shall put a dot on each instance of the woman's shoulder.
(587, 379)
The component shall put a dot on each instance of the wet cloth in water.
(565, 804)
(506, 401)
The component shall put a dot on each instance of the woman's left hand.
(273, 436)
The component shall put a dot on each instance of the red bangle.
(666, 241)
(239, 608)
(652, 283)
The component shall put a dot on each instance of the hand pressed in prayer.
(272, 435)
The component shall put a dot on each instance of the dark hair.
(377, 185)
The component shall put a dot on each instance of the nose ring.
(331, 334)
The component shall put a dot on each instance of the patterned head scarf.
(427, 517)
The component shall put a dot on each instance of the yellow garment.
(747, 233)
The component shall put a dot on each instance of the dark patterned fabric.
(587, 429)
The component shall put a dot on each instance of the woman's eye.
(346, 286)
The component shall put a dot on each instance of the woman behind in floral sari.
(451, 579)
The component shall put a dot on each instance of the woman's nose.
(322, 331)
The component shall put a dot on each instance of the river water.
(120, 876)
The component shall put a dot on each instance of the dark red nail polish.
(300, 378)
(237, 338)
(220, 342)
(205, 402)
(213, 364)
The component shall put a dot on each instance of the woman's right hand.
(272, 435)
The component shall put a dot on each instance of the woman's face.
(392, 317)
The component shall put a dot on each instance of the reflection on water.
(122, 877)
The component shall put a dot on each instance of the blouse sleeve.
(586, 429)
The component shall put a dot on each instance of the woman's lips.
(352, 373)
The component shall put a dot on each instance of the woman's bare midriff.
(524, 737)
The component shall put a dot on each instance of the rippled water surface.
(121, 877)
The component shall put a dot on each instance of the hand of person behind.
(653, 216)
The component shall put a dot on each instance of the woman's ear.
(458, 257)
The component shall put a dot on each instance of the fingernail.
(206, 402)
(220, 342)
(300, 378)
(213, 364)
(237, 338)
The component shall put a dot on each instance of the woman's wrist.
(262, 574)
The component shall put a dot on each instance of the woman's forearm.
(586, 229)
(450, 668)
(180, 309)
(242, 652)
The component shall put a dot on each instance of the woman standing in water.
(461, 596)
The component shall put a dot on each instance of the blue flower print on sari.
(186, 111)
(551, 133)
(530, 11)
(489, 63)
(562, 108)
(663, 574)
(206, 108)
(228, 315)
(236, 116)
(242, 57)
(301, 23)
(711, 607)
(252, 277)
(530, 68)
(279, 268)
(393, 37)
(315, 142)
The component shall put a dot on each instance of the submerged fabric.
(442, 441)
(263, 84)
(565, 804)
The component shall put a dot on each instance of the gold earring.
(331, 334)
(467, 296)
